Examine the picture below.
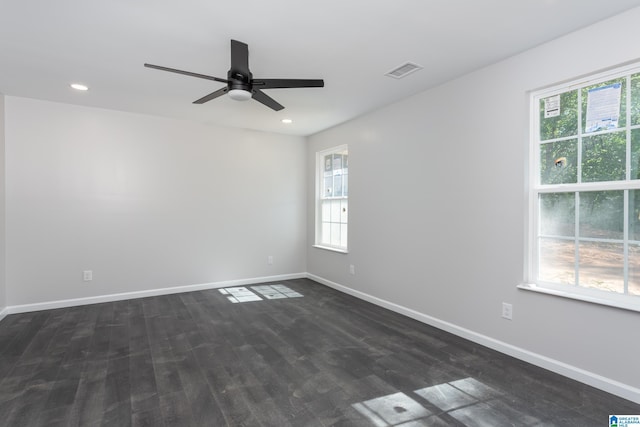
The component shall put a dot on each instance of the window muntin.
(585, 187)
(333, 198)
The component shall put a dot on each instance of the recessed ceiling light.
(287, 121)
(78, 86)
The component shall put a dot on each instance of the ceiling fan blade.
(265, 99)
(186, 73)
(212, 95)
(239, 59)
(287, 83)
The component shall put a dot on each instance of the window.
(585, 189)
(332, 198)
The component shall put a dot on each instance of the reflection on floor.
(467, 400)
(241, 294)
(328, 359)
(392, 410)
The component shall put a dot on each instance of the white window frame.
(625, 301)
(321, 199)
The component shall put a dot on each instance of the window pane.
(344, 211)
(558, 162)
(337, 163)
(622, 119)
(634, 269)
(335, 234)
(634, 215)
(557, 214)
(588, 229)
(326, 233)
(635, 154)
(337, 186)
(345, 183)
(564, 124)
(635, 99)
(326, 210)
(343, 235)
(328, 165)
(602, 214)
(557, 261)
(328, 187)
(335, 211)
(602, 266)
(604, 157)
(332, 203)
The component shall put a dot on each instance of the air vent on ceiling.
(403, 70)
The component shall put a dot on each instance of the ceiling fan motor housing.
(239, 85)
(238, 80)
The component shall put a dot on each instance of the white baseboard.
(625, 391)
(611, 386)
(143, 294)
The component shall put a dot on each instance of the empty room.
(281, 213)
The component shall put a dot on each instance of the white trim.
(332, 249)
(143, 294)
(609, 385)
(319, 199)
(625, 302)
(609, 73)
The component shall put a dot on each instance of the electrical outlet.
(352, 269)
(87, 275)
(507, 311)
(270, 260)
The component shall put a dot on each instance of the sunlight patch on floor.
(243, 294)
(467, 400)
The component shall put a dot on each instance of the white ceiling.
(351, 44)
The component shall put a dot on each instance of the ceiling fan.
(240, 84)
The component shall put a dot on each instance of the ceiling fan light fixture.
(239, 94)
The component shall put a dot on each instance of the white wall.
(144, 202)
(438, 206)
(3, 292)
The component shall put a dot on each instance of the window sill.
(328, 248)
(632, 305)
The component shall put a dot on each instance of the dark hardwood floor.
(323, 359)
